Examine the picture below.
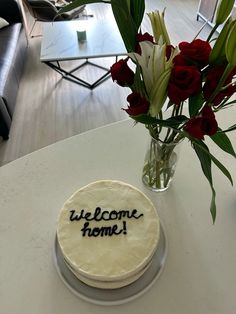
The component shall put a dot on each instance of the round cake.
(108, 232)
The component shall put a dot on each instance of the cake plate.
(113, 296)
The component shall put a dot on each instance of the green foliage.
(138, 84)
(232, 128)
(230, 47)
(125, 23)
(127, 13)
(137, 8)
(76, 3)
(205, 158)
(195, 104)
(173, 122)
(205, 162)
(218, 50)
(128, 16)
(222, 140)
(224, 9)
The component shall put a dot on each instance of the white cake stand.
(113, 296)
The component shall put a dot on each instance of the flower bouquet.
(176, 92)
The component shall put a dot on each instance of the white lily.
(156, 72)
(158, 26)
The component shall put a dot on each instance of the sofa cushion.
(9, 10)
(5, 120)
(13, 46)
(10, 39)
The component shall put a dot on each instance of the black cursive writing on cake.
(104, 215)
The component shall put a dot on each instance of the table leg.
(68, 75)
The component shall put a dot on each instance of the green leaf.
(205, 161)
(232, 128)
(230, 46)
(128, 5)
(128, 16)
(222, 140)
(137, 11)
(138, 84)
(230, 103)
(172, 122)
(176, 121)
(222, 168)
(125, 24)
(225, 104)
(195, 104)
(223, 10)
(76, 3)
(217, 54)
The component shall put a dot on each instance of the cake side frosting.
(108, 230)
(109, 284)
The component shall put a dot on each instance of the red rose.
(197, 51)
(121, 73)
(137, 104)
(204, 124)
(212, 80)
(180, 60)
(185, 81)
(142, 37)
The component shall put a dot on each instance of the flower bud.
(137, 104)
(224, 9)
(159, 94)
(159, 27)
(230, 47)
(218, 51)
(204, 124)
(121, 73)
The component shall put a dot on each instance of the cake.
(108, 232)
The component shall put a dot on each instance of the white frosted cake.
(108, 232)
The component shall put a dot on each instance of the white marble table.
(199, 274)
(60, 43)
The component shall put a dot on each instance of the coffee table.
(60, 43)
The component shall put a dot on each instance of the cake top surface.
(108, 230)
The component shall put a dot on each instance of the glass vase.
(160, 164)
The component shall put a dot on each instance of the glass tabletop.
(60, 40)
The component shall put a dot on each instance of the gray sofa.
(13, 45)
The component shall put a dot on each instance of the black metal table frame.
(70, 76)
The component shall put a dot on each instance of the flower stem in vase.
(160, 163)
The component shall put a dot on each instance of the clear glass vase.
(160, 164)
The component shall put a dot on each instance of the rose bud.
(137, 104)
(204, 124)
(121, 73)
